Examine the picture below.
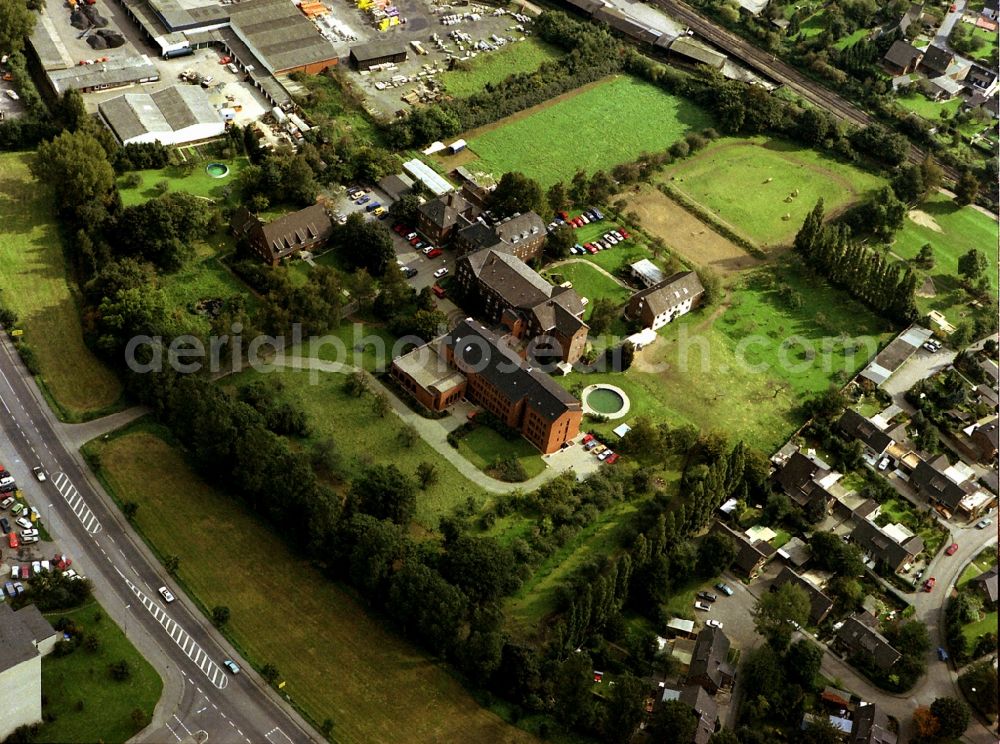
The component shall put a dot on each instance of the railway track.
(779, 71)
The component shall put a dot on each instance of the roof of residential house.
(989, 581)
(991, 479)
(648, 272)
(936, 59)
(242, 221)
(855, 425)
(798, 478)
(932, 483)
(902, 54)
(991, 368)
(20, 632)
(705, 707)
(795, 552)
(991, 4)
(941, 84)
(988, 433)
(987, 393)
(882, 548)
(520, 227)
(859, 638)
(711, 651)
(675, 289)
(871, 726)
(509, 276)
(480, 350)
(819, 604)
(561, 313)
(286, 233)
(478, 236)
(749, 555)
(980, 76)
(446, 210)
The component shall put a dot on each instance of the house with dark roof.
(987, 582)
(800, 478)
(703, 705)
(870, 726)
(819, 604)
(656, 306)
(750, 556)
(990, 10)
(859, 640)
(902, 58)
(439, 219)
(710, 665)
(931, 482)
(305, 230)
(936, 61)
(981, 80)
(514, 295)
(856, 426)
(884, 548)
(25, 637)
(986, 438)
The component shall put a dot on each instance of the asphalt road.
(198, 695)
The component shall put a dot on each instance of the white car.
(26, 523)
(5, 504)
(231, 666)
(714, 624)
(165, 593)
(29, 540)
(703, 606)
(605, 455)
(441, 272)
(884, 463)
(29, 533)
(39, 473)
(6, 479)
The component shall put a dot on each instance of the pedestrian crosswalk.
(76, 503)
(178, 635)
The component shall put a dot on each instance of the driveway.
(920, 366)
(950, 19)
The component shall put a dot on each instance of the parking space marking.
(72, 497)
(181, 637)
(277, 730)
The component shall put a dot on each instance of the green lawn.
(494, 67)
(192, 179)
(337, 661)
(597, 128)
(482, 446)
(852, 39)
(759, 175)
(919, 104)
(357, 344)
(814, 25)
(86, 703)
(986, 624)
(34, 283)
(980, 564)
(989, 38)
(590, 283)
(369, 439)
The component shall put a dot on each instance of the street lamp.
(127, 608)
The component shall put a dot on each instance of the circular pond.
(217, 170)
(605, 400)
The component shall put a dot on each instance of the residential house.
(987, 582)
(523, 235)
(982, 80)
(242, 222)
(440, 218)
(986, 438)
(948, 488)
(658, 305)
(990, 10)
(25, 637)
(893, 547)
(860, 640)
(870, 726)
(750, 556)
(856, 426)
(940, 88)
(704, 706)
(710, 665)
(936, 61)
(902, 58)
(795, 552)
(801, 479)
(526, 305)
(305, 230)
(912, 15)
(819, 604)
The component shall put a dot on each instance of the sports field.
(34, 284)
(492, 67)
(745, 183)
(595, 127)
(338, 662)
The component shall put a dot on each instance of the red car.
(587, 438)
(576, 222)
(12, 541)
(591, 247)
(563, 214)
(612, 458)
(625, 233)
(952, 549)
(400, 228)
(439, 291)
(414, 241)
(435, 253)
(929, 584)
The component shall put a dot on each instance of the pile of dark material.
(96, 19)
(105, 40)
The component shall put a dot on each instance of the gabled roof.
(706, 709)
(519, 228)
(933, 484)
(902, 54)
(675, 289)
(865, 641)
(481, 351)
(989, 581)
(749, 556)
(798, 479)
(855, 425)
(871, 726)
(693, 50)
(882, 548)
(509, 276)
(819, 604)
(287, 233)
(20, 632)
(479, 235)
(709, 658)
(560, 314)
(936, 59)
(445, 210)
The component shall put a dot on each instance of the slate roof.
(445, 210)
(882, 548)
(862, 640)
(481, 351)
(561, 313)
(478, 236)
(672, 291)
(298, 228)
(901, 54)
(932, 484)
(989, 581)
(987, 435)
(798, 479)
(20, 631)
(706, 709)
(819, 604)
(522, 227)
(853, 424)
(709, 658)
(510, 277)
(871, 726)
(749, 555)
(936, 59)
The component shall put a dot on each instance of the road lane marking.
(76, 503)
(277, 730)
(188, 646)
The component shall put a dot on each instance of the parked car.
(605, 455)
(372, 207)
(702, 606)
(427, 249)
(231, 666)
(443, 271)
(362, 199)
(9, 588)
(884, 463)
(25, 534)
(5, 504)
(598, 213)
(590, 445)
(707, 596)
(419, 244)
(409, 272)
(439, 291)
(24, 522)
(30, 539)
(15, 572)
(724, 588)
(600, 448)
(6, 479)
(625, 233)
(982, 524)
(929, 584)
(18, 508)
(434, 253)
(39, 473)
(612, 458)
(942, 654)
(165, 593)
(13, 542)
(714, 624)
(584, 219)
(36, 568)
(952, 549)
(411, 236)
(591, 248)
(4, 525)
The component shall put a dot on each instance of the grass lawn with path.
(919, 104)
(82, 677)
(984, 52)
(551, 141)
(191, 178)
(482, 446)
(35, 285)
(589, 282)
(338, 662)
(760, 174)
(494, 67)
(986, 624)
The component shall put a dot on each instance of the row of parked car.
(24, 516)
(591, 214)
(25, 571)
(418, 243)
(606, 241)
(597, 447)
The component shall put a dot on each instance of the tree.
(270, 673)
(16, 25)
(716, 553)
(129, 509)
(972, 265)
(426, 606)
(405, 209)
(952, 716)
(385, 493)
(356, 384)
(139, 719)
(574, 700)
(172, 563)
(967, 188)
(220, 615)
(557, 197)
(925, 258)
(979, 683)
(427, 474)
(672, 722)
(802, 660)
(365, 244)
(380, 404)
(120, 670)
(624, 708)
(821, 731)
(517, 193)
(602, 315)
(481, 567)
(776, 612)
(926, 723)
(378, 543)
(724, 736)
(559, 241)
(77, 167)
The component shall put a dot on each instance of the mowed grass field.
(106, 714)
(594, 128)
(730, 179)
(493, 67)
(370, 440)
(482, 446)
(338, 662)
(193, 179)
(589, 282)
(34, 283)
